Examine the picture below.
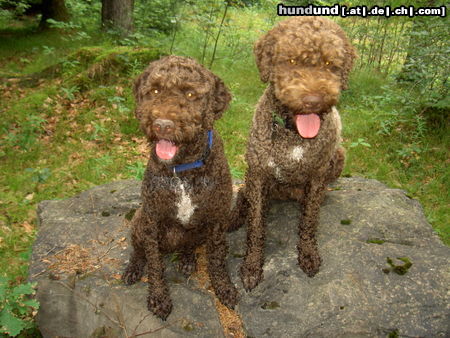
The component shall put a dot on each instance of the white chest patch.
(296, 153)
(337, 120)
(278, 173)
(185, 206)
(275, 169)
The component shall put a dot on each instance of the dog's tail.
(239, 212)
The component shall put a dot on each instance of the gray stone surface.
(351, 296)
(97, 304)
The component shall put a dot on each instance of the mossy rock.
(92, 66)
(106, 66)
(86, 55)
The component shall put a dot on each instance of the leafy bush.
(16, 7)
(426, 67)
(5, 17)
(81, 13)
(17, 308)
(156, 15)
(11, 9)
(244, 3)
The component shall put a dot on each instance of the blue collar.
(199, 163)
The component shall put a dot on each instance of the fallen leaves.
(86, 258)
(27, 227)
(229, 319)
(73, 259)
(77, 259)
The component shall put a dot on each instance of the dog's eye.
(327, 63)
(154, 91)
(190, 95)
(293, 61)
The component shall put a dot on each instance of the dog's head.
(307, 60)
(177, 102)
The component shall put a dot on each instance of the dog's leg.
(308, 253)
(239, 212)
(251, 269)
(188, 263)
(216, 250)
(158, 300)
(336, 165)
(135, 268)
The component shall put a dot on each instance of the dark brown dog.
(186, 191)
(294, 146)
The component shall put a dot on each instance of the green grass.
(396, 150)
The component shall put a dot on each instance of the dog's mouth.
(166, 149)
(308, 125)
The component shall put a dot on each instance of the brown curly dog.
(294, 146)
(187, 190)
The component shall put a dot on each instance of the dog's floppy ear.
(139, 89)
(222, 97)
(263, 50)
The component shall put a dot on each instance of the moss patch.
(129, 215)
(188, 327)
(375, 241)
(106, 66)
(399, 269)
(393, 334)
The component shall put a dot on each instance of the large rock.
(357, 292)
(362, 224)
(88, 234)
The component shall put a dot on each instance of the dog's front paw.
(309, 258)
(133, 273)
(228, 295)
(160, 304)
(251, 276)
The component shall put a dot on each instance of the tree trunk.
(53, 9)
(118, 15)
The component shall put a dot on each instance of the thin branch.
(218, 33)
(156, 330)
(96, 308)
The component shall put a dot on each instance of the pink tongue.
(307, 125)
(166, 150)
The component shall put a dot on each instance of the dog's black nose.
(312, 102)
(163, 127)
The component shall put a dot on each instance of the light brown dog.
(294, 146)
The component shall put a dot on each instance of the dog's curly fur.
(306, 61)
(181, 212)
